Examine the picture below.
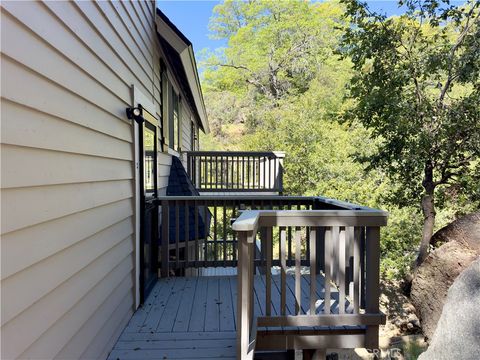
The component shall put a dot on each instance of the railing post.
(244, 293)
(165, 239)
(372, 290)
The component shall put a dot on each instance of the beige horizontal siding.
(23, 207)
(33, 128)
(51, 237)
(53, 309)
(67, 177)
(25, 166)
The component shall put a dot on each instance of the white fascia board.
(187, 57)
(188, 61)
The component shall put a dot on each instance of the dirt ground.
(400, 337)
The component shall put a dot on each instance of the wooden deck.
(194, 317)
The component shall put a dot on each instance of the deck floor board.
(195, 317)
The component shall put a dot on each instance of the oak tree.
(417, 88)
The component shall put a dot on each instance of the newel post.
(244, 293)
(372, 290)
(165, 239)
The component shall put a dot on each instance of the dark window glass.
(149, 159)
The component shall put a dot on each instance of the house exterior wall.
(68, 174)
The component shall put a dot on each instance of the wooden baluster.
(243, 297)
(197, 252)
(251, 268)
(254, 173)
(216, 172)
(372, 290)
(226, 172)
(232, 180)
(165, 239)
(238, 173)
(362, 267)
(349, 260)
(224, 232)
(283, 271)
(313, 270)
(356, 270)
(341, 271)
(268, 270)
(215, 240)
(264, 172)
(221, 174)
(205, 176)
(274, 175)
(205, 223)
(211, 172)
(289, 238)
(259, 172)
(335, 237)
(177, 235)
(243, 173)
(298, 275)
(328, 268)
(187, 233)
(234, 243)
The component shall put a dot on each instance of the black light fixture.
(135, 113)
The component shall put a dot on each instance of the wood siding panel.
(18, 251)
(24, 207)
(59, 305)
(48, 97)
(17, 292)
(33, 128)
(67, 212)
(33, 167)
(56, 39)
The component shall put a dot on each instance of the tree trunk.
(428, 209)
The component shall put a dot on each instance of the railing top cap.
(250, 220)
(278, 154)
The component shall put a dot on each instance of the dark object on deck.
(179, 184)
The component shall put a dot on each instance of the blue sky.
(191, 17)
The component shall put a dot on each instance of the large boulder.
(464, 230)
(461, 246)
(457, 335)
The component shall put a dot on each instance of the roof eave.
(184, 48)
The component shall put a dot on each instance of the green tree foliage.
(416, 85)
(281, 85)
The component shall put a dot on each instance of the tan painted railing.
(347, 243)
(236, 171)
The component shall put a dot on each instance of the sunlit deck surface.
(194, 317)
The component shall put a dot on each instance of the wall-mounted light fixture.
(135, 113)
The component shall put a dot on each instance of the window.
(171, 111)
(150, 152)
(175, 122)
(193, 136)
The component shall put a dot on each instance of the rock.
(464, 230)
(433, 279)
(408, 308)
(461, 246)
(413, 320)
(457, 335)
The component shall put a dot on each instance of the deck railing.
(199, 228)
(347, 243)
(236, 171)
